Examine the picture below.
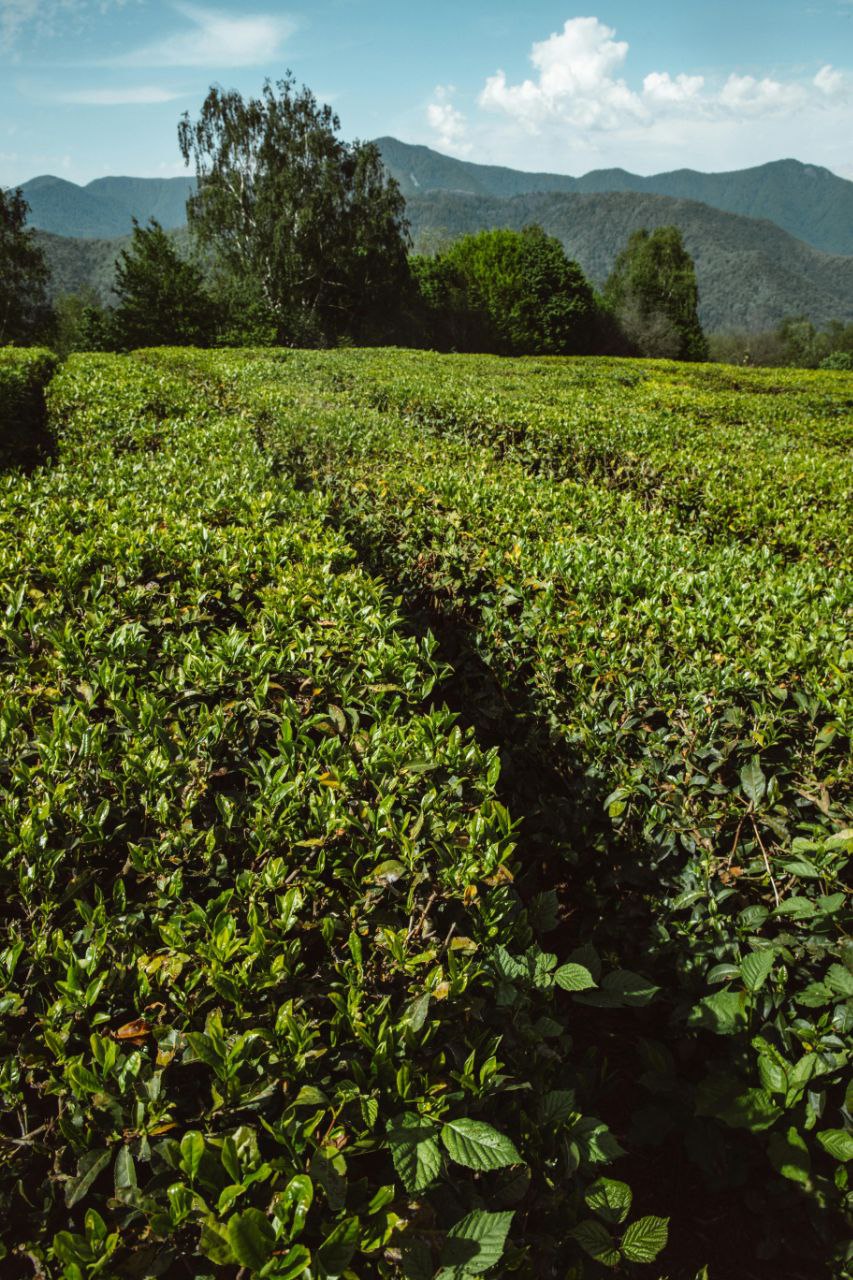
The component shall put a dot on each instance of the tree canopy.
(162, 298)
(24, 308)
(653, 293)
(511, 292)
(311, 227)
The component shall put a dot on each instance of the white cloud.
(829, 81)
(448, 122)
(659, 87)
(143, 95)
(217, 39)
(581, 108)
(576, 84)
(748, 96)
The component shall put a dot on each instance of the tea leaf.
(477, 1145)
(645, 1239)
(251, 1238)
(474, 1244)
(414, 1150)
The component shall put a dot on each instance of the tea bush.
(270, 1001)
(24, 373)
(692, 668)
(726, 453)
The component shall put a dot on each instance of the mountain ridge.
(105, 207)
(808, 201)
(751, 274)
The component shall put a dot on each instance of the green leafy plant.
(257, 879)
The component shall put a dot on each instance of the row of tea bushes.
(702, 686)
(24, 374)
(260, 930)
(762, 464)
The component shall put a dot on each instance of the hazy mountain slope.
(162, 198)
(105, 207)
(805, 200)
(751, 274)
(77, 265)
(68, 210)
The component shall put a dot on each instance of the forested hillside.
(77, 265)
(752, 233)
(751, 274)
(808, 201)
(105, 207)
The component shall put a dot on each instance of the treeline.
(795, 343)
(301, 239)
(506, 292)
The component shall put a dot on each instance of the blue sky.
(89, 87)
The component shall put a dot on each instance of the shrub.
(510, 292)
(24, 374)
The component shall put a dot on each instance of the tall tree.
(24, 308)
(652, 290)
(512, 292)
(162, 298)
(313, 224)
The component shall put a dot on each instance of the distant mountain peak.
(809, 201)
(105, 207)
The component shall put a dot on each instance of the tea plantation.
(424, 818)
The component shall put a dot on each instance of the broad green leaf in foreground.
(477, 1145)
(753, 781)
(414, 1150)
(594, 1238)
(755, 968)
(789, 1155)
(837, 1143)
(645, 1238)
(610, 1199)
(88, 1168)
(251, 1237)
(335, 1254)
(474, 1244)
(574, 977)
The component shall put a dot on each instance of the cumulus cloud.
(580, 105)
(447, 122)
(749, 96)
(577, 81)
(217, 39)
(829, 81)
(660, 87)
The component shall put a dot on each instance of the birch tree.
(313, 225)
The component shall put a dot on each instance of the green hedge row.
(700, 686)
(270, 1002)
(24, 375)
(722, 452)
